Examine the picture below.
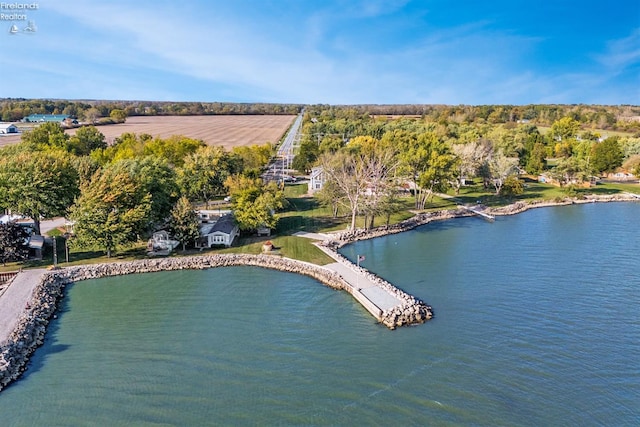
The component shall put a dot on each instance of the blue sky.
(334, 51)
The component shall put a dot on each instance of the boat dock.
(476, 210)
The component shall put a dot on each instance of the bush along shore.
(30, 331)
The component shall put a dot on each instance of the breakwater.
(30, 331)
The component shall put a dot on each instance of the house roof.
(316, 172)
(47, 117)
(225, 224)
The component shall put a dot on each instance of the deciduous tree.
(86, 139)
(184, 223)
(606, 155)
(39, 184)
(112, 210)
(13, 242)
(254, 203)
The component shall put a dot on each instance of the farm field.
(227, 131)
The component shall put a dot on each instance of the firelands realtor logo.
(18, 14)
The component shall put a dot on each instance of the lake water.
(537, 322)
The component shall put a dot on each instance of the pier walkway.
(476, 209)
(13, 300)
(373, 297)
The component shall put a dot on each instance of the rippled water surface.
(537, 323)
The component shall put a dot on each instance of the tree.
(306, 156)
(501, 167)
(470, 156)
(39, 184)
(564, 128)
(380, 162)
(158, 180)
(46, 135)
(347, 173)
(118, 115)
(86, 139)
(204, 173)
(512, 187)
(184, 223)
(112, 210)
(174, 149)
(254, 203)
(537, 159)
(607, 155)
(13, 242)
(91, 115)
(570, 170)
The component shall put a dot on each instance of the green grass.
(306, 214)
(295, 247)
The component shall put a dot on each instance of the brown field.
(228, 131)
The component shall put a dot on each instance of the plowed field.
(228, 131)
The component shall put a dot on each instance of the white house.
(221, 233)
(161, 243)
(6, 128)
(316, 179)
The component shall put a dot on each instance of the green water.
(537, 323)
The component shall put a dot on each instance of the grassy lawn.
(304, 213)
(294, 247)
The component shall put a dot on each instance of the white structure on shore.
(220, 233)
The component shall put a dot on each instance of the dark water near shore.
(537, 323)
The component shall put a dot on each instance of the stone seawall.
(520, 207)
(342, 238)
(31, 328)
(411, 310)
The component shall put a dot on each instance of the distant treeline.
(613, 117)
(14, 109)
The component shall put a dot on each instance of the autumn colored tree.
(112, 210)
(39, 184)
(184, 223)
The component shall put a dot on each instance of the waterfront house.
(316, 179)
(221, 233)
(161, 244)
(7, 128)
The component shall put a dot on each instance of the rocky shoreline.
(30, 331)
(342, 238)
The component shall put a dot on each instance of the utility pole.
(55, 252)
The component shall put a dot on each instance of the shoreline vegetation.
(30, 331)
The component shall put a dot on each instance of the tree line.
(91, 111)
(121, 193)
(366, 159)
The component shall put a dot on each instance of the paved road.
(13, 301)
(279, 166)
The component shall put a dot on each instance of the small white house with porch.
(220, 233)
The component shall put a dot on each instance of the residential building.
(221, 233)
